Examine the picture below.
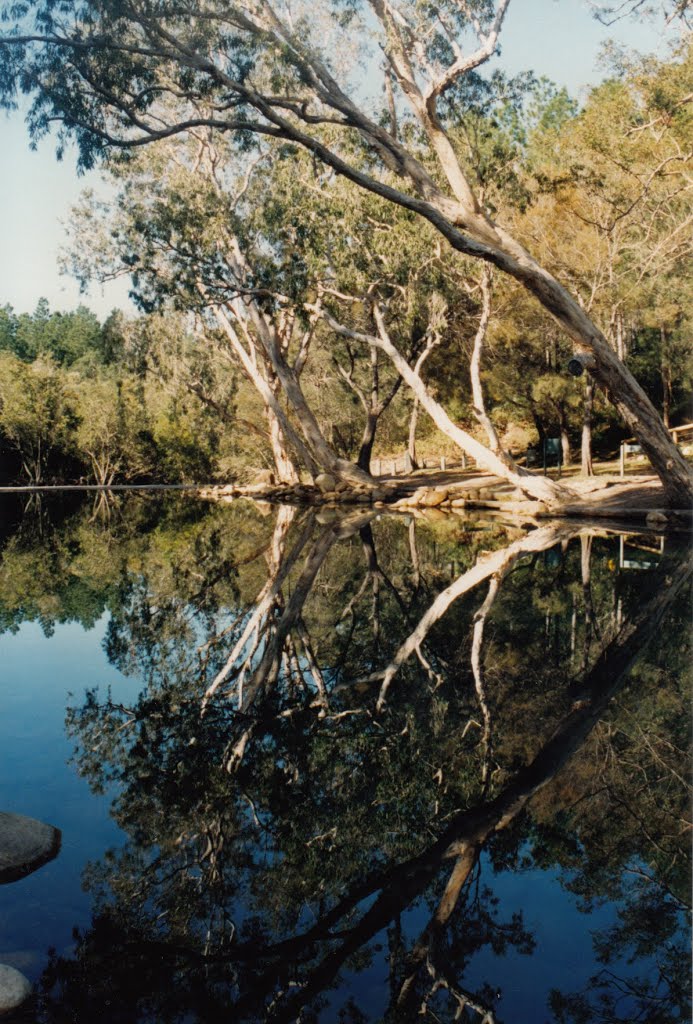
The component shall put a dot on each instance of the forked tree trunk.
(264, 348)
(268, 343)
(323, 454)
(374, 406)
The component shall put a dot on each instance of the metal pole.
(623, 459)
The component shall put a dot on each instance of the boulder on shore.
(15, 989)
(264, 476)
(25, 845)
(326, 482)
(433, 497)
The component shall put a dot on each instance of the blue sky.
(556, 38)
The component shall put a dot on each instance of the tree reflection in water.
(324, 748)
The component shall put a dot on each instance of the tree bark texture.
(586, 439)
(665, 372)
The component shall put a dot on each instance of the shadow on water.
(345, 728)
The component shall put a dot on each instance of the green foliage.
(37, 413)
(125, 401)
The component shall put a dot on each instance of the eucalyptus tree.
(260, 273)
(178, 228)
(125, 75)
(380, 282)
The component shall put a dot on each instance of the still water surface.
(367, 769)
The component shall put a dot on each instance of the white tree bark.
(540, 488)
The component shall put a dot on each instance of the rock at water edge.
(326, 482)
(15, 989)
(25, 845)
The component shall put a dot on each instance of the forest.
(339, 257)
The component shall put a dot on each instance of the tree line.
(102, 403)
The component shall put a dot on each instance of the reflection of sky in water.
(36, 674)
(41, 910)
(563, 957)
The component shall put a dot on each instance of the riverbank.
(636, 498)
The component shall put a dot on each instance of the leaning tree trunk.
(500, 464)
(592, 348)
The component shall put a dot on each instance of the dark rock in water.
(25, 845)
(15, 989)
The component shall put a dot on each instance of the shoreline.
(637, 499)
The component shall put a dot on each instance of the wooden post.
(675, 436)
(464, 460)
(623, 460)
(442, 462)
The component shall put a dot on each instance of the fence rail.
(403, 464)
(632, 447)
(676, 432)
